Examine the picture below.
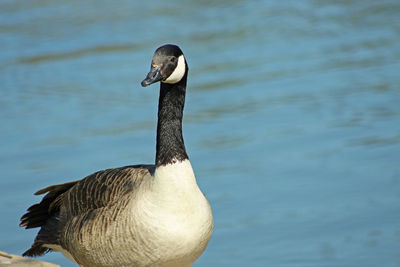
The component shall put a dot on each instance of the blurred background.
(292, 118)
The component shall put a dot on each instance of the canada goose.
(140, 215)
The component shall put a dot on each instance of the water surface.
(291, 120)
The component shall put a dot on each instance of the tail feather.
(36, 250)
(45, 215)
(38, 214)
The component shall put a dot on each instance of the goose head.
(168, 66)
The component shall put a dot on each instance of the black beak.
(153, 76)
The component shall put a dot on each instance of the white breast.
(175, 215)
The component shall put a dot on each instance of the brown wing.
(100, 189)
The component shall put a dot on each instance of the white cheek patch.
(178, 73)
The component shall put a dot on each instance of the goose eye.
(173, 59)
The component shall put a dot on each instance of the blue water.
(292, 118)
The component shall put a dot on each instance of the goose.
(139, 215)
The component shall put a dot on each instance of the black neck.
(170, 146)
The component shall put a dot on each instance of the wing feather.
(79, 200)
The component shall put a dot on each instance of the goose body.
(139, 215)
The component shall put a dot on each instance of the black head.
(168, 65)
